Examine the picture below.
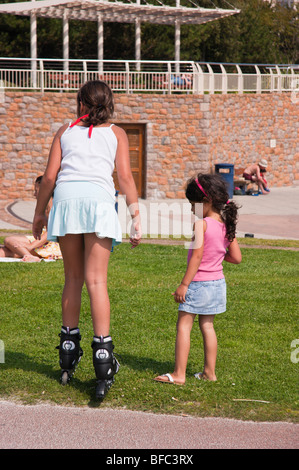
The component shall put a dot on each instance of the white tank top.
(87, 158)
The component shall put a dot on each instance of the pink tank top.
(215, 245)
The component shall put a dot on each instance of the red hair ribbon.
(79, 119)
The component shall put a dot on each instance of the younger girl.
(84, 220)
(202, 291)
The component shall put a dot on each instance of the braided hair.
(215, 190)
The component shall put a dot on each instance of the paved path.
(56, 427)
(275, 215)
(53, 427)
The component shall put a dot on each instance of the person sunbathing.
(26, 247)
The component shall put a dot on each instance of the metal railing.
(147, 76)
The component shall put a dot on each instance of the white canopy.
(113, 11)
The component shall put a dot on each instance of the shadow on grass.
(21, 361)
(145, 365)
(16, 360)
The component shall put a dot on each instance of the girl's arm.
(47, 185)
(200, 227)
(126, 182)
(233, 254)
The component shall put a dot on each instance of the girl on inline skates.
(84, 220)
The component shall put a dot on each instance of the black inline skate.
(105, 364)
(70, 352)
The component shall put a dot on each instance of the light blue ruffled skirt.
(83, 207)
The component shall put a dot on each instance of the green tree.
(14, 36)
(49, 38)
(119, 41)
(286, 30)
(261, 33)
(157, 42)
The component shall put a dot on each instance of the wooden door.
(135, 133)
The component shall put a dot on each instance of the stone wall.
(184, 134)
(176, 138)
(28, 122)
(246, 128)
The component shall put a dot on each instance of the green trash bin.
(227, 170)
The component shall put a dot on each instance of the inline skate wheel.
(64, 377)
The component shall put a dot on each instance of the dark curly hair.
(216, 191)
(97, 100)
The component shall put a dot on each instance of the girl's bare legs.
(86, 258)
(182, 348)
(72, 249)
(97, 254)
(182, 345)
(206, 324)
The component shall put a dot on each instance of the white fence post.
(84, 71)
(169, 77)
(272, 82)
(258, 79)
(194, 83)
(240, 80)
(278, 79)
(41, 71)
(223, 79)
(200, 80)
(211, 80)
(127, 77)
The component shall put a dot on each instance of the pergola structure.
(113, 11)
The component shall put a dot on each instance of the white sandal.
(169, 381)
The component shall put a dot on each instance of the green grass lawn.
(257, 380)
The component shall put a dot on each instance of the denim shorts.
(205, 297)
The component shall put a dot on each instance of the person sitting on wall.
(26, 247)
(255, 173)
(184, 80)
